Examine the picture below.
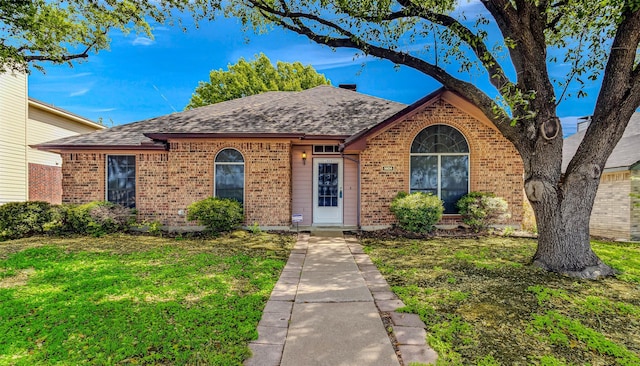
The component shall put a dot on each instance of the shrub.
(94, 218)
(479, 210)
(21, 219)
(217, 214)
(417, 212)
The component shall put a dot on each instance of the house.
(26, 173)
(331, 155)
(616, 212)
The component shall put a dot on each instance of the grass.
(135, 299)
(484, 305)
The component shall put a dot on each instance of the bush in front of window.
(480, 210)
(95, 218)
(417, 212)
(22, 219)
(216, 214)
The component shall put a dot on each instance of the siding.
(43, 126)
(301, 187)
(13, 145)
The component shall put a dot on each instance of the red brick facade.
(168, 181)
(495, 165)
(45, 183)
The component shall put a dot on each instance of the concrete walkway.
(327, 309)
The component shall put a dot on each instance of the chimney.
(351, 87)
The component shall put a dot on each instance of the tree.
(63, 31)
(254, 77)
(598, 40)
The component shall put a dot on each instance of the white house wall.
(13, 144)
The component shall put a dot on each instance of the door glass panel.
(424, 174)
(455, 180)
(328, 184)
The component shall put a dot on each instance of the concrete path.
(327, 309)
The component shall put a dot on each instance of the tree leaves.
(254, 77)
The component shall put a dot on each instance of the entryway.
(327, 191)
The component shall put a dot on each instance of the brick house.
(616, 212)
(332, 155)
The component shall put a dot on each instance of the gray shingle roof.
(625, 154)
(323, 110)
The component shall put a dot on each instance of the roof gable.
(358, 141)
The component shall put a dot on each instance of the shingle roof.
(320, 111)
(625, 154)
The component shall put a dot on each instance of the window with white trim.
(121, 180)
(229, 175)
(326, 149)
(440, 164)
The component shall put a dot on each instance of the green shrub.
(479, 210)
(217, 214)
(417, 212)
(22, 219)
(95, 218)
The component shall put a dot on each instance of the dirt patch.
(19, 279)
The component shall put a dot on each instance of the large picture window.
(440, 164)
(121, 180)
(229, 175)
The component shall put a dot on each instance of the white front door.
(327, 191)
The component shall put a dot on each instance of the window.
(325, 149)
(121, 180)
(440, 164)
(229, 175)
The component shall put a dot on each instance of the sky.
(140, 78)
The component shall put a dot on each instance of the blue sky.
(140, 78)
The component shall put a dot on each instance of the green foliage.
(95, 218)
(217, 214)
(61, 31)
(479, 210)
(417, 212)
(254, 77)
(21, 219)
(134, 300)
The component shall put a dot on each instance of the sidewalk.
(327, 308)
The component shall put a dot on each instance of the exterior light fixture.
(304, 158)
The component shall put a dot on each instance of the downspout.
(358, 186)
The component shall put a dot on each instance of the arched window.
(440, 164)
(229, 175)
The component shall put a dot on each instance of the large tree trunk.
(562, 206)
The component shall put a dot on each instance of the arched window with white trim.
(440, 164)
(229, 175)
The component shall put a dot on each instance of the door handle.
(340, 194)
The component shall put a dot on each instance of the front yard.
(135, 299)
(483, 305)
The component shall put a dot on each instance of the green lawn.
(484, 305)
(135, 299)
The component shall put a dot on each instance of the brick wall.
(83, 177)
(635, 204)
(45, 183)
(152, 187)
(611, 215)
(267, 178)
(495, 165)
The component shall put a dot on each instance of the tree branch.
(350, 40)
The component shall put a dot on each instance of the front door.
(327, 191)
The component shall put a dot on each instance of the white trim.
(335, 213)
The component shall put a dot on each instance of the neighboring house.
(334, 156)
(616, 212)
(26, 173)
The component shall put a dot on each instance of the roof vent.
(347, 86)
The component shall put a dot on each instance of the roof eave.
(61, 148)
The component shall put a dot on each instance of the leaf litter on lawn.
(484, 304)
